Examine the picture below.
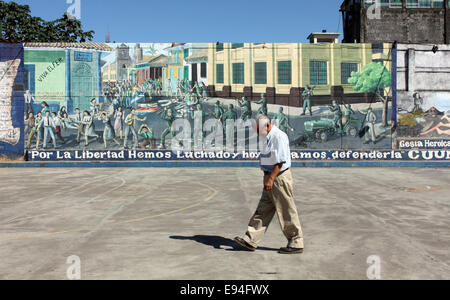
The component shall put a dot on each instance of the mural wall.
(423, 92)
(96, 101)
(126, 96)
(11, 101)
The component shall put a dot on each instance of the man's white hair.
(262, 120)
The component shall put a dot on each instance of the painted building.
(176, 68)
(281, 71)
(117, 70)
(11, 100)
(64, 74)
(198, 66)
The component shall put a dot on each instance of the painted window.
(186, 72)
(318, 72)
(260, 73)
(346, 71)
(219, 47)
(219, 75)
(284, 72)
(186, 53)
(203, 70)
(30, 74)
(237, 45)
(238, 73)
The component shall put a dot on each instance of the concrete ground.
(178, 224)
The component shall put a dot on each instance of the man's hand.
(268, 185)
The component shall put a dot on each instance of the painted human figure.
(246, 109)
(230, 118)
(93, 107)
(199, 120)
(130, 122)
(89, 127)
(283, 121)
(263, 109)
(32, 124)
(443, 127)
(168, 116)
(57, 125)
(307, 94)
(349, 112)
(48, 125)
(418, 102)
(29, 98)
(78, 119)
(108, 131)
(197, 89)
(336, 109)
(371, 119)
(219, 114)
(147, 133)
(204, 91)
(118, 121)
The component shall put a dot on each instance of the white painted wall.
(427, 73)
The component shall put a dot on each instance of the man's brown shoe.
(289, 250)
(241, 242)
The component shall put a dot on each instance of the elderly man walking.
(277, 196)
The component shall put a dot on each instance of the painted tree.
(374, 78)
(17, 24)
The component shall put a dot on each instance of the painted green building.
(64, 74)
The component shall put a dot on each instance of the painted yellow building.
(109, 73)
(261, 68)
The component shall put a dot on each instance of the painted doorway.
(82, 86)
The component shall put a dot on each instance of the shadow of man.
(217, 242)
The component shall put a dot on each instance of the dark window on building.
(284, 72)
(260, 73)
(219, 47)
(237, 45)
(318, 72)
(238, 73)
(346, 71)
(203, 70)
(186, 53)
(219, 75)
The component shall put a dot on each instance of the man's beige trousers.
(280, 200)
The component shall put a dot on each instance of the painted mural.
(133, 96)
(423, 97)
(11, 92)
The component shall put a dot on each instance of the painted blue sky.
(199, 20)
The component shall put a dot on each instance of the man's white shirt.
(276, 150)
